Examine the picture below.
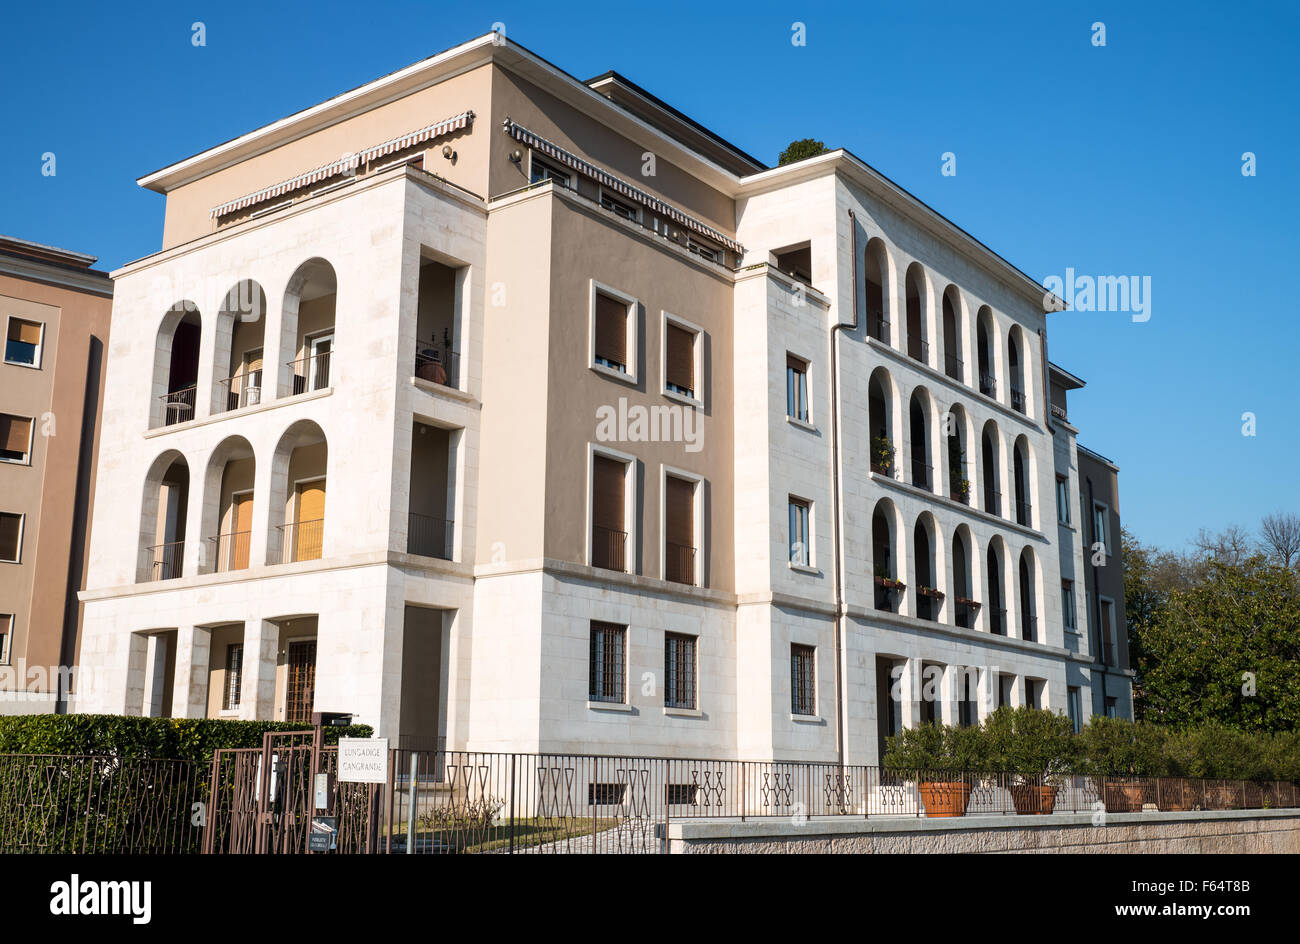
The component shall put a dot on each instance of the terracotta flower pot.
(1030, 799)
(1174, 794)
(945, 797)
(1123, 797)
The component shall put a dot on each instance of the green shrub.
(936, 747)
(1115, 747)
(1029, 742)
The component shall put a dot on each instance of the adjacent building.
(513, 412)
(54, 310)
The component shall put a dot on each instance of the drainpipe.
(841, 616)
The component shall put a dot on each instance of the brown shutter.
(10, 525)
(611, 329)
(15, 433)
(608, 490)
(679, 357)
(679, 512)
(28, 332)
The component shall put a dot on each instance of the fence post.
(410, 806)
(512, 803)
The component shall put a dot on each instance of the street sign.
(363, 760)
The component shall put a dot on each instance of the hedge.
(192, 739)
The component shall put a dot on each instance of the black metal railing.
(952, 366)
(992, 500)
(679, 563)
(239, 391)
(922, 476)
(608, 548)
(438, 366)
(301, 540)
(310, 373)
(165, 560)
(230, 550)
(1017, 398)
(429, 537)
(998, 621)
(1024, 513)
(928, 604)
(966, 611)
(989, 385)
(178, 406)
(878, 326)
(918, 349)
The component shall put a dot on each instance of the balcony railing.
(1017, 398)
(438, 366)
(989, 385)
(966, 611)
(952, 366)
(918, 349)
(878, 326)
(992, 501)
(165, 560)
(310, 373)
(240, 391)
(998, 621)
(922, 474)
(301, 540)
(1029, 627)
(230, 550)
(608, 549)
(429, 537)
(1024, 513)
(178, 406)
(679, 563)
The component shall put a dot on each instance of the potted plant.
(940, 756)
(882, 579)
(1118, 752)
(882, 455)
(930, 592)
(1034, 747)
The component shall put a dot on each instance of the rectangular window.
(1106, 613)
(796, 388)
(15, 438)
(1006, 691)
(1067, 604)
(1099, 526)
(968, 708)
(301, 684)
(679, 359)
(1034, 693)
(608, 667)
(23, 342)
(679, 671)
(800, 546)
(605, 794)
(1076, 709)
(608, 513)
(803, 694)
(610, 346)
(712, 253)
(541, 171)
(618, 207)
(11, 537)
(681, 794)
(1112, 706)
(6, 633)
(1062, 499)
(680, 550)
(234, 676)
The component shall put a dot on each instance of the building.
(54, 309)
(545, 419)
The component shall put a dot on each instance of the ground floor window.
(300, 694)
(608, 664)
(803, 700)
(679, 671)
(234, 676)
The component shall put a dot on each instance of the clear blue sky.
(1123, 160)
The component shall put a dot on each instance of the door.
(241, 527)
(300, 692)
(252, 378)
(309, 526)
(319, 371)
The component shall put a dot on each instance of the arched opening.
(875, 265)
(1021, 476)
(929, 598)
(297, 498)
(1015, 369)
(952, 362)
(984, 343)
(959, 486)
(880, 422)
(884, 557)
(963, 587)
(162, 518)
(919, 444)
(989, 469)
(228, 506)
(176, 366)
(307, 329)
(1028, 608)
(917, 346)
(996, 604)
(240, 343)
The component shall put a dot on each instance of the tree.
(1281, 537)
(801, 149)
(1230, 546)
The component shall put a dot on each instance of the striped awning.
(344, 165)
(446, 126)
(557, 153)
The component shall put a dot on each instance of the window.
(680, 550)
(6, 631)
(11, 537)
(1106, 613)
(605, 794)
(608, 663)
(710, 252)
(234, 676)
(15, 438)
(610, 348)
(1034, 693)
(803, 695)
(23, 342)
(1076, 709)
(800, 540)
(1099, 526)
(679, 359)
(1111, 706)
(796, 388)
(1067, 604)
(1063, 499)
(1006, 691)
(608, 513)
(679, 671)
(618, 207)
(541, 171)
(968, 708)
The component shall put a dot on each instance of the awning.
(344, 165)
(554, 151)
(446, 126)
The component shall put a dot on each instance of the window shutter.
(10, 525)
(611, 329)
(608, 488)
(679, 510)
(679, 357)
(28, 332)
(15, 433)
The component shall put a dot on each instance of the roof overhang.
(1063, 377)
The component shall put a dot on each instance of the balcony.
(998, 621)
(922, 475)
(230, 550)
(240, 391)
(918, 349)
(928, 603)
(882, 456)
(608, 549)
(1017, 399)
(989, 385)
(310, 373)
(992, 501)
(1029, 628)
(301, 540)
(429, 537)
(1024, 513)
(952, 365)
(878, 326)
(679, 563)
(888, 591)
(164, 560)
(967, 610)
(440, 367)
(178, 406)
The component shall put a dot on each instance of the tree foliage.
(801, 149)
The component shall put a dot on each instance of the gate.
(262, 801)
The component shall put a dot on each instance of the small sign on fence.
(363, 760)
(324, 831)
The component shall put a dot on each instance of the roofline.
(1098, 457)
(37, 250)
(77, 278)
(1074, 379)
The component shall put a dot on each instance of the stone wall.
(1230, 831)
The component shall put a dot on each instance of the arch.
(307, 329)
(965, 577)
(990, 465)
(886, 562)
(926, 568)
(297, 501)
(919, 455)
(1016, 368)
(239, 348)
(1027, 598)
(228, 504)
(876, 276)
(915, 298)
(176, 365)
(1022, 474)
(995, 606)
(881, 400)
(986, 352)
(163, 509)
(956, 427)
(953, 365)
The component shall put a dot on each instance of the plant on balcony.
(1035, 747)
(930, 592)
(940, 756)
(882, 579)
(969, 603)
(961, 489)
(882, 455)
